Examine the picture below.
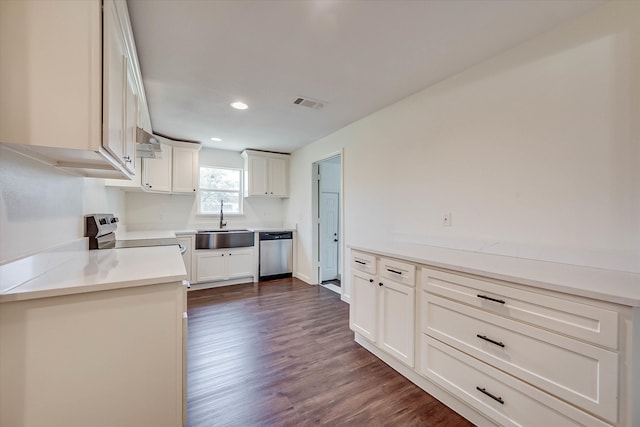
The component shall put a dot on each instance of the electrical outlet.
(446, 219)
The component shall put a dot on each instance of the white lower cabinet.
(579, 373)
(363, 307)
(187, 256)
(109, 358)
(223, 264)
(383, 310)
(513, 354)
(505, 399)
(397, 309)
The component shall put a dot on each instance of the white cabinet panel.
(577, 372)
(383, 310)
(364, 305)
(110, 358)
(266, 174)
(239, 263)
(583, 321)
(397, 308)
(74, 114)
(184, 170)
(130, 123)
(187, 257)
(277, 177)
(501, 396)
(115, 85)
(224, 264)
(157, 172)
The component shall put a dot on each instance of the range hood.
(147, 145)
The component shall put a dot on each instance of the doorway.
(327, 197)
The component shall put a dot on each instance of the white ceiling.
(357, 56)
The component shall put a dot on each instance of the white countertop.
(98, 270)
(607, 285)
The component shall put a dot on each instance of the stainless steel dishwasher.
(276, 255)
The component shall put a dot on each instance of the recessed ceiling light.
(216, 139)
(239, 105)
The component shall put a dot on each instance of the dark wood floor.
(282, 354)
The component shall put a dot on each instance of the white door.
(329, 235)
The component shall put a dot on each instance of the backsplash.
(42, 207)
(147, 211)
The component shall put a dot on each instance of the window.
(220, 185)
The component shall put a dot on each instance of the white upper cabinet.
(185, 169)
(176, 171)
(115, 85)
(156, 176)
(266, 174)
(52, 58)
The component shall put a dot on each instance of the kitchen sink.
(221, 239)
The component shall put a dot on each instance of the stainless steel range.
(101, 228)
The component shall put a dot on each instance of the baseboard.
(304, 278)
(434, 390)
(207, 285)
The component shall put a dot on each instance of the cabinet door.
(186, 257)
(210, 266)
(185, 169)
(114, 85)
(277, 177)
(240, 263)
(397, 320)
(257, 176)
(364, 305)
(157, 172)
(131, 123)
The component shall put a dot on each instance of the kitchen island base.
(107, 358)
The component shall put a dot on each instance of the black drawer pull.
(498, 343)
(370, 280)
(394, 271)
(360, 262)
(484, 391)
(499, 301)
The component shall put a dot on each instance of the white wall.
(41, 207)
(179, 212)
(535, 153)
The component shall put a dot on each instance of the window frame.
(240, 191)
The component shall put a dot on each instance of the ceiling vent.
(309, 103)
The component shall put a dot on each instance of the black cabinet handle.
(394, 271)
(370, 280)
(499, 301)
(498, 343)
(360, 262)
(380, 284)
(496, 398)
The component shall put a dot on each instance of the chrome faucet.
(222, 222)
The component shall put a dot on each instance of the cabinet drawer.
(579, 373)
(398, 271)
(363, 262)
(514, 403)
(586, 322)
